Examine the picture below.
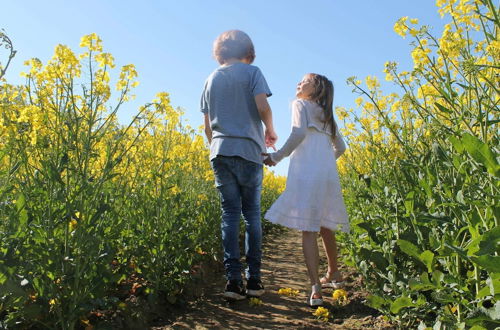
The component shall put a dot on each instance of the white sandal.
(315, 302)
(333, 283)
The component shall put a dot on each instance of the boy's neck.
(230, 61)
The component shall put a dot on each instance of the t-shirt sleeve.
(204, 101)
(259, 84)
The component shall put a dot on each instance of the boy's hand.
(271, 138)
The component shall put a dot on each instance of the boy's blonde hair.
(233, 44)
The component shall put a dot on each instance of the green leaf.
(461, 252)
(437, 278)
(485, 291)
(401, 302)
(460, 197)
(21, 210)
(423, 183)
(421, 284)
(494, 284)
(490, 263)
(481, 153)
(456, 143)
(490, 242)
(374, 256)
(478, 327)
(443, 297)
(376, 302)
(409, 248)
(427, 257)
(409, 202)
(440, 107)
(371, 232)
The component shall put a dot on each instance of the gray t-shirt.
(229, 100)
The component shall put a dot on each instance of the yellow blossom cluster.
(288, 292)
(340, 296)
(391, 125)
(322, 314)
(87, 179)
(157, 149)
(255, 302)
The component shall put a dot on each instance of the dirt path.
(283, 267)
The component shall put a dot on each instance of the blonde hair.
(233, 44)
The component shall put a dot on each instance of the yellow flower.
(341, 113)
(372, 82)
(322, 313)
(358, 101)
(288, 292)
(255, 302)
(105, 59)
(339, 295)
(52, 302)
(92, 42)
(400, 26)
(72, 224)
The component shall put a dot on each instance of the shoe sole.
(233, 296)
(334, 285)
(255, 293)
(313, 303)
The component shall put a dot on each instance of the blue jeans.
(239, 182)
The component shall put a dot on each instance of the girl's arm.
(299, 130)
(339, 145)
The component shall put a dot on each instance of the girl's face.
(305, 88)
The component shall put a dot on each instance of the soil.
(283, 267)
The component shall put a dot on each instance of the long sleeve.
(339, 145)
(299, 130)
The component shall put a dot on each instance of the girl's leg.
(330, 245)
(311, 255)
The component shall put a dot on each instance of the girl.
(312, 201)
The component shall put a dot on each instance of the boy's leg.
(229, 192)
(250, 179)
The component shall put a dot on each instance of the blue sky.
(170, 42)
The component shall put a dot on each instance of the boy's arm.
(208, 130)
(267, 118)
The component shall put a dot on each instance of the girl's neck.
(306, 98)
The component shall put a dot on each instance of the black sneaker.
(234, 290)
(255, 288)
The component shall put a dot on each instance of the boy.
(234, 102)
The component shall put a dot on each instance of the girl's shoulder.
(304, 103)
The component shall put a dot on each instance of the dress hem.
(284, 221)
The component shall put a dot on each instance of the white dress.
(313, 196)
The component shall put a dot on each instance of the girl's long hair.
(323, 95)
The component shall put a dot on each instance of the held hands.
(268, 161)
